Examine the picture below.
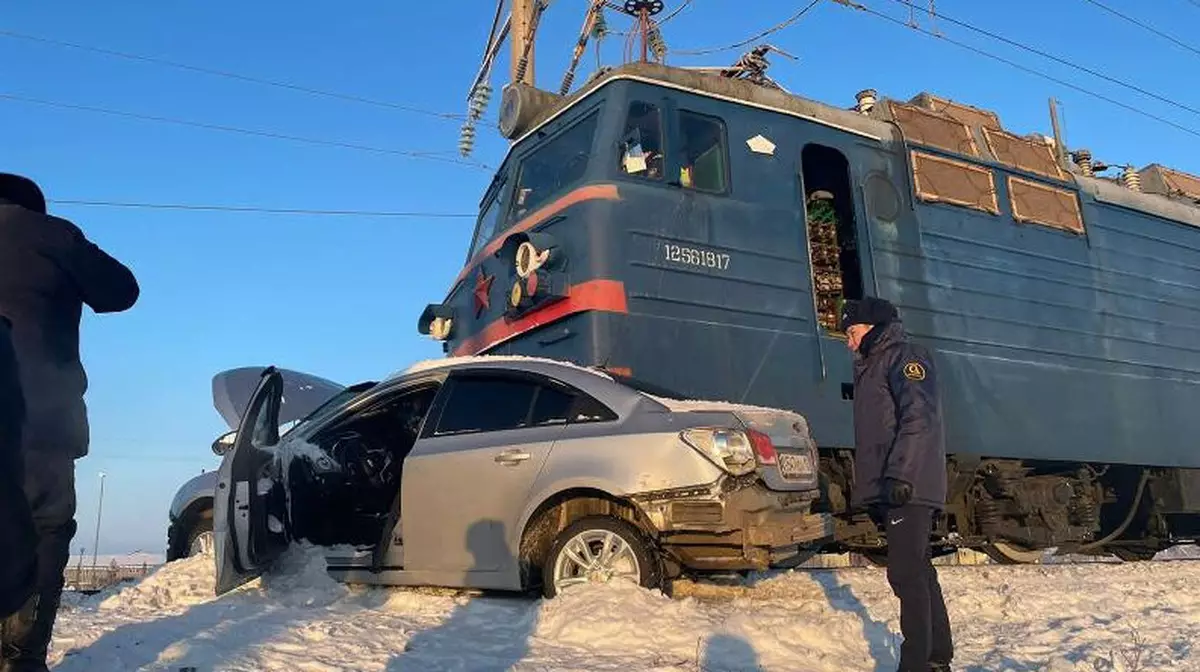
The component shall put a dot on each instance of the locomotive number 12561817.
(692, 256)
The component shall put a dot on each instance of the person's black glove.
(897, 492)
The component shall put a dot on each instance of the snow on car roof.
(445, 362)
(685, 405)
(674, 405)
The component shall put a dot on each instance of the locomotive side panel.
(1054, 345)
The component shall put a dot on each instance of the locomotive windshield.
(547, 171)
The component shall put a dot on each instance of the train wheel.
(1005, 553)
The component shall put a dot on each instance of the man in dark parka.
(48, 271)
(18, 562)
(900, 469)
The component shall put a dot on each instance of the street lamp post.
(99, 510)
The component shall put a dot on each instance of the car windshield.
(647, 388)
(332, 403)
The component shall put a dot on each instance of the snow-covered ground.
(1058, 618)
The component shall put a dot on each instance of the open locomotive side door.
(248, 509)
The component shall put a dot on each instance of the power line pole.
(1060, 147)
(99, 510)
(521, 39)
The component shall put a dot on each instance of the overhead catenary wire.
(1024, 68)
(429, 155)
(261, 210)
(232, 75)
(1060, 60)
(684, 5)
(738, 45)
(1145, 26)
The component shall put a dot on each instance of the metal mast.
(521, 40)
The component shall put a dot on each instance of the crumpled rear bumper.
(736, 526)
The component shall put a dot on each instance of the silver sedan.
(514, 473)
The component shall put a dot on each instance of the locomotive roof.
(1166, 192)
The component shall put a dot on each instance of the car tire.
(199, 538)
(635, 553)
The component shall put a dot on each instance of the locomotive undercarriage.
(1016, 510)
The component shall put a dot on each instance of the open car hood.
(302, 393)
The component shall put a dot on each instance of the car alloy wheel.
(201, 540)
(600, 550)
(201, 545)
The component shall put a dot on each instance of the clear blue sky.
(340, 296)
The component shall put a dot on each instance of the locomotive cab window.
(641, 143)
(490, 218)
(550, 169)
(702, 152)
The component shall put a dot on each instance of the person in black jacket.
(900, 469)
(48, 271)
(17, 561)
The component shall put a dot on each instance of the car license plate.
(793, 466)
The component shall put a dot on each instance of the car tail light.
(729, 449)
(763, 447)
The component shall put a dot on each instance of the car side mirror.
(224, 443)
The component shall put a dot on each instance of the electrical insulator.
(600, 27)
(657, 46)
(479, 101)
(466, 139)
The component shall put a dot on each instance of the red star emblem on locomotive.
(483, 287)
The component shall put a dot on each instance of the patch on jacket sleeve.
(914, 370)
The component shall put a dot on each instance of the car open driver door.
(249, 510)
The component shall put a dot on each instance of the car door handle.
(512, 457)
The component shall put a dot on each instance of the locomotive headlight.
(439, 328)
(516, 294)
(528, 259)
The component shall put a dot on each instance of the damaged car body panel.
(468, 473)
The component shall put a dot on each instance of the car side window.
(556, 405)
(497, 403)
(552, 406)
(486, 404)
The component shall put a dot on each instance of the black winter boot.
(25, 636)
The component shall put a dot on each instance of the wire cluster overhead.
(1059, 60)
(452, 116)
(1144, 26)
(1024, 68)
(427, 155)
(261, 210)
(430, 155)
(738, 45)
